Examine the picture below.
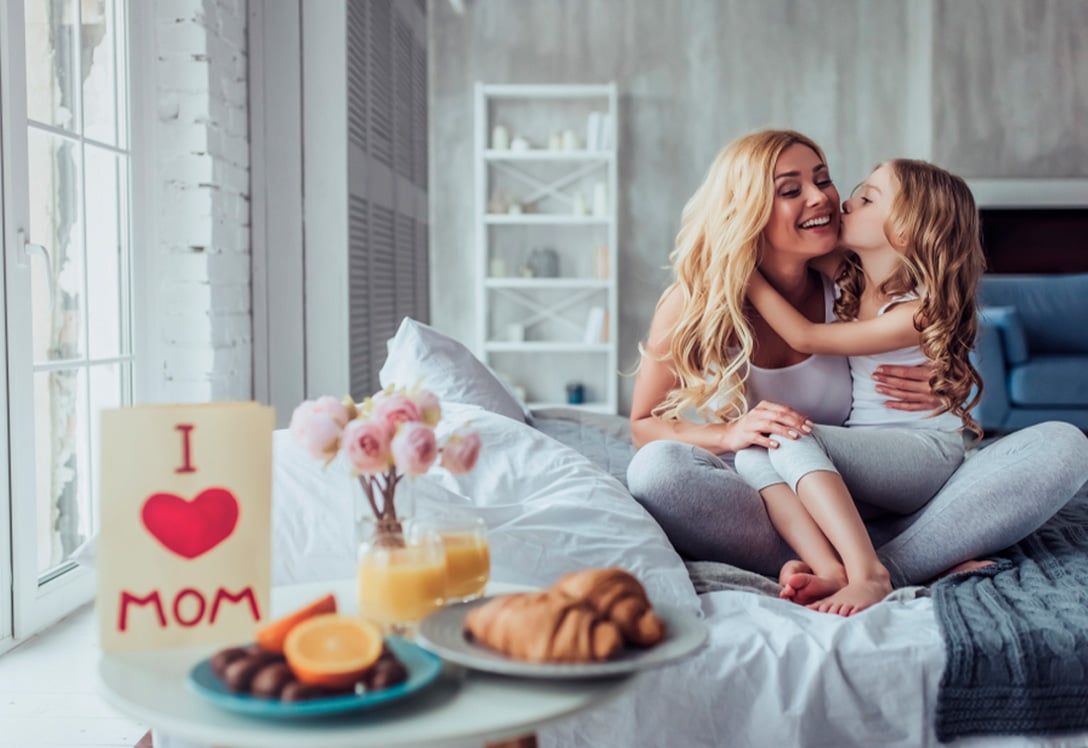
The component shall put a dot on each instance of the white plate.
(443, 633)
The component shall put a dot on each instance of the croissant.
(619, 597)
(544, 627)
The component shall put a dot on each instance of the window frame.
(35, 604)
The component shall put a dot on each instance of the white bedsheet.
(776, 674)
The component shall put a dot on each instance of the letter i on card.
(185, 525)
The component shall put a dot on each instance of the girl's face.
(805, 215)
(866, 212)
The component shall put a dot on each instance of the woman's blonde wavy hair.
(933, 212)
(716, 251)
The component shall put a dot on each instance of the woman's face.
(805, 214)
(866, 212)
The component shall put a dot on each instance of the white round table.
(462, 706)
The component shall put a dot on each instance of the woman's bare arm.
(888, 332)
(907, 387)
(656, 378)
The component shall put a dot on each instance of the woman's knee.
(656, 465)
(1060, 439)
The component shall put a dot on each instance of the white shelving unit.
(545, 330)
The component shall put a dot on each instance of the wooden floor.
(48, 692)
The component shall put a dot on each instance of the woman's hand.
(907, 387)
(761, 422)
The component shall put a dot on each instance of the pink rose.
(337, 409)
(429, 407)
(393, 410)
(366, 446)
(316, 428)
(414, 448)
(461, 450)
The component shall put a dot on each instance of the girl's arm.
(888, 332)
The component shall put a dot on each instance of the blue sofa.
(1032, 350)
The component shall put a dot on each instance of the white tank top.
(818, 387)
(869, 407)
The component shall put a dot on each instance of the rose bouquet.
(384, 439)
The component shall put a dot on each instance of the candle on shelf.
(600, 199)
(581, 207)
(500, 138)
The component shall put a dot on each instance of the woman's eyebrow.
(783, 175)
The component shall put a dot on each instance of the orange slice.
(272, 636)
(332, 650)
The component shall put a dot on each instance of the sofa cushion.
(1052, 308)
(1050, 381)
(1013, 339)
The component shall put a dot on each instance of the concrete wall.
(199, 317)
(868, 79)
(1011, 88)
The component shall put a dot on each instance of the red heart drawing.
(191, 528)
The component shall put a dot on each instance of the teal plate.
(423, 667)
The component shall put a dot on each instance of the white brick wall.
(202, 170)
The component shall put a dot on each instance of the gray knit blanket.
(1016, 636)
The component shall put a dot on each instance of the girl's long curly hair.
(716, 251)
(934, 214)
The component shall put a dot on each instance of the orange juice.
(468, 564)
(401, 584)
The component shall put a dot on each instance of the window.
(68, 298)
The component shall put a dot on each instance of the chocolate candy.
(266, 675)
(270, 680)
(298, 691)
(224, 657)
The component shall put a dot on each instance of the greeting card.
(183, 550)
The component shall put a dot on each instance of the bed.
(551, 486)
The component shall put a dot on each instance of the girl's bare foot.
(854, 597)
(802, 585)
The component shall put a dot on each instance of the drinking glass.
(402, 574)
(468, 556)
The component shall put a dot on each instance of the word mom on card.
(183, 553)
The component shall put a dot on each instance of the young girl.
(910, 286)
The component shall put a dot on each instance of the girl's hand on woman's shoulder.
(761, 423)
(907, 387)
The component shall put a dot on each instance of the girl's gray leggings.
(894, 469)
(998, 496)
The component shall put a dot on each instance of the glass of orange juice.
(468, 556)
(402, 575)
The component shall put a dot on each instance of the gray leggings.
(888, 469)
(997, 497)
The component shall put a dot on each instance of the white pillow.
(551, 510)
(419, 354)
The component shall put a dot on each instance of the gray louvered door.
(387, 181)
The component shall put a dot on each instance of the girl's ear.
(899, 241)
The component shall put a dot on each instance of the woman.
(768, 201)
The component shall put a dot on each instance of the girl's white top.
(869, 410)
